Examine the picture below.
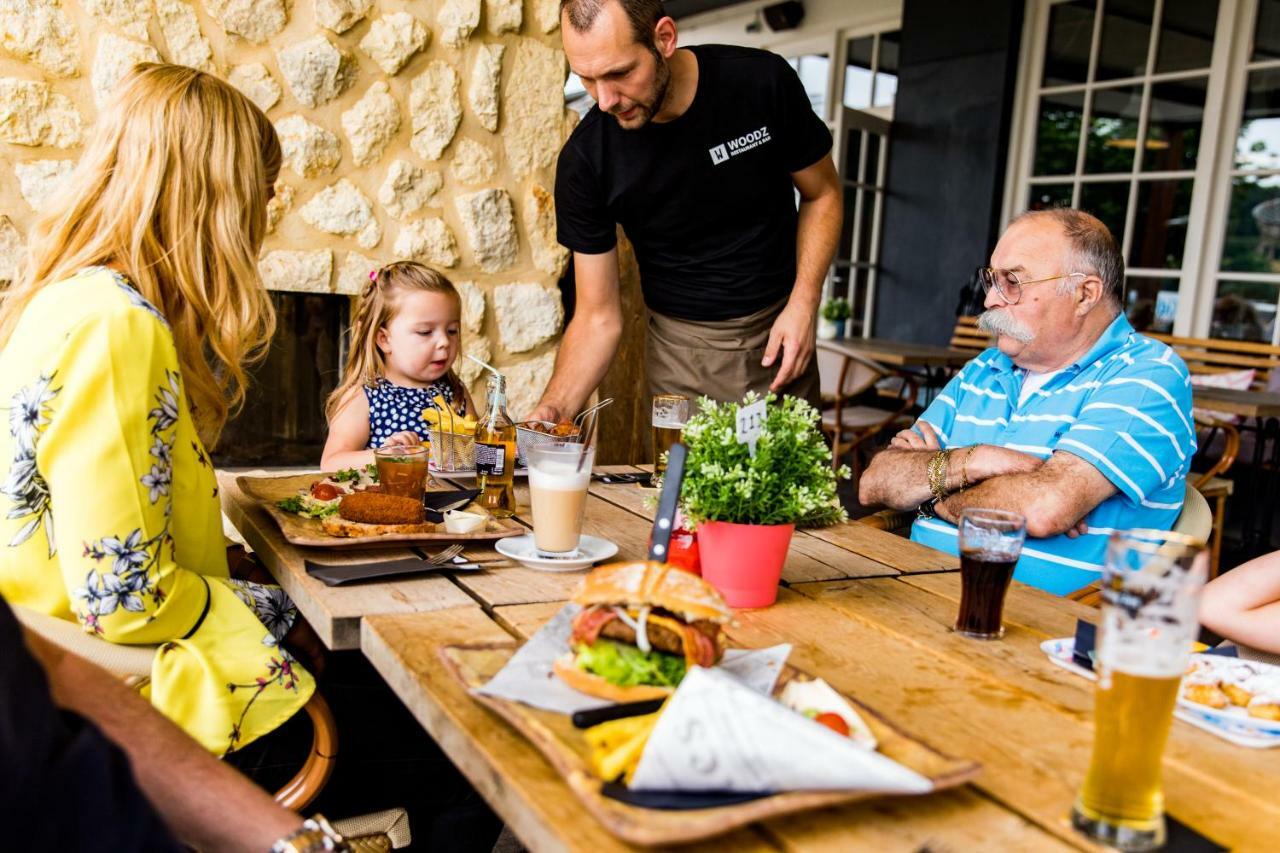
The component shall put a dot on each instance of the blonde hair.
(366, 363)
(172, 188)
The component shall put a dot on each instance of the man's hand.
(545, 412)
(793, 333)
(909, 439)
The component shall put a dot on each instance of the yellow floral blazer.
(109, 512)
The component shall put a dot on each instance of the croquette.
(377, 508)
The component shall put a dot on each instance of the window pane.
(1044, 196)
(1160, 224)
(1173, 125)
(1258, 145)
(868, 220)
(1266, 33)
(846, 228)
(887, 70)
(1151, 303)
(1244, 311)
(1186, 34)
(812, 70)
(1126, 37)
(1066, 57)
(852, 144)
(1252, 242)
(857, 73)
(1113, 130)
(1058, 134)
(1109, 201)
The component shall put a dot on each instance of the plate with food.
(347, 510)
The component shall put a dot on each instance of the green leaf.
(627, 666)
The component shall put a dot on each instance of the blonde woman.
(122, 350)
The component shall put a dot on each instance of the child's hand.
(407, 438)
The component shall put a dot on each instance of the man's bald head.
(643, 15)
(1091, 248)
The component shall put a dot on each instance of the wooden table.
(869, 612)
(903, 353)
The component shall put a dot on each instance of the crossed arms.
(1054, 494)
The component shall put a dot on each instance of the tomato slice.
(324, 491)
(835, 722)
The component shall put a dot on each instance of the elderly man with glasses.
(1073, 419)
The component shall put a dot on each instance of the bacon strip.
(699, 650)
(588, 623)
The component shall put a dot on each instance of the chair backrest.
(1211, 355)
(967, 336)
(843, 374)
(119, 660)
(1196, 519)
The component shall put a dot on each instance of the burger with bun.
(642, 625)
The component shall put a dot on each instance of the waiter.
(700, 154)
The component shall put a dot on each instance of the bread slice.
(336, 526)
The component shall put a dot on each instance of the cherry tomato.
(324, 491)
(835, 722)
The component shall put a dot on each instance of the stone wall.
(425, 129)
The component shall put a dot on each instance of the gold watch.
(314, 836)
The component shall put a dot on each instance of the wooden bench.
(1209, 355)
(967, 336)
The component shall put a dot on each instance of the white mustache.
(997, 321)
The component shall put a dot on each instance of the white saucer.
(591, 550)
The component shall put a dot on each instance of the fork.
(444, 556)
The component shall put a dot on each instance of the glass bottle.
(496, 452)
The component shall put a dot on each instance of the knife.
(668, 502)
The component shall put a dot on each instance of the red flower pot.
(744, 561)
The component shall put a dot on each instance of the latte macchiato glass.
(559, 475)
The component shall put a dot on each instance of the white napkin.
(528, 676)
(716, 734)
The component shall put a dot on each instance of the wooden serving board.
(565, 747)
(310, 533)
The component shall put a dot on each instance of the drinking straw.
(487, 367)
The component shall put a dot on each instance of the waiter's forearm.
(817, 230)
(586, 351)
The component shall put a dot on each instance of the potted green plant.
(746, 507)
(831, 318)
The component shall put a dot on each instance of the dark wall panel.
(947, 159)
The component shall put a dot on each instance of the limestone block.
(547, 14)
(12, 248)
(255, 20)
(112, 61)
(185, 44)
(458, 19)
(473, 162)
(304, 272)
(309, 150)
(472, 306)
(482, 91)
(525, 383)
(343, 209)
(255, 81)
(533, 107)
(40, 179)
(540, 218)
(129, 15)
(490, 224)
(393, 38)
(427, 240)
(407, 189)
(436, 108)
(341, 15)
(279, 205)
(371, 123)
(33, 114)
(503, 16)
(353, 275)
(476, 346)
(40, 32)
(528, 314)
(316, 70)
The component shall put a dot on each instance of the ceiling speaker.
(784, 16)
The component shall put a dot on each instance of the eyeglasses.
(1009, 286)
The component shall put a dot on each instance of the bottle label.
(490, 458)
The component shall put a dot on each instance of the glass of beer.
(559, 474)
(990, 544)
(670, 414)
(402, 470)
(1150, 593)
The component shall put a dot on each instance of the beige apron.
(719, 359)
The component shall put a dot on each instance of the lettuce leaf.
(627, 666)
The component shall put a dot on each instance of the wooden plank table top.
(1250, 404)
(903, 353)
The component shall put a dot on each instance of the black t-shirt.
(707, 199)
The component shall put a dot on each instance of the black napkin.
(336, 575)
(436, 503)
(677, 800)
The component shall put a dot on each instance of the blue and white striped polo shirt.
(1125, 408)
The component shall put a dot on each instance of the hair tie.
(373, 276)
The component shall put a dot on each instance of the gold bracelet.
(938, 474)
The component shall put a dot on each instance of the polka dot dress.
(396, 408)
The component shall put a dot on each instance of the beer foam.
(669, 425)
(559, 475)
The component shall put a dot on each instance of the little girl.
(405, 338)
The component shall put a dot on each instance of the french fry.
(616, 746)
